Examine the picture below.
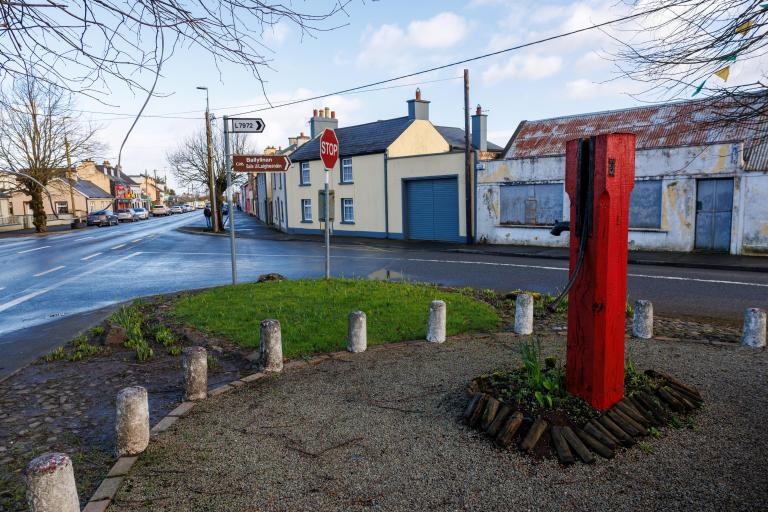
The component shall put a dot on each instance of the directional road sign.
(247, 125)
(329, 148)
(260, 163)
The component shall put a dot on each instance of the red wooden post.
(596, 301)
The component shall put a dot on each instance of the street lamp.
(209, 141)
(69, 173)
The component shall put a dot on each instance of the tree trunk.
(39, 217)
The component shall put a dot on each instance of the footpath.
(248, 227)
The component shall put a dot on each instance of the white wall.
(679, 168)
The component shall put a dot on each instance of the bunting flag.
(764, 6)
(729, 58)
(699, 88)
(744, 27)
(723, 73)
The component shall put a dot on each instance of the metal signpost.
(238, 125)
(329, 154)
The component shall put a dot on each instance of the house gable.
(420, 138)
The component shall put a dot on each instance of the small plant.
(144, 352)
(545, 383)
(56, 355)
(645, 448)
(83, 349)
(633, 378)
(629, 309)
(165, 337)
(654, 432)
(675, 422)
(212, 362)
(98, 331)
(174, 350)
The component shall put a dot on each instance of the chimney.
(321, 119)
(480, 130)
(301, 139)
(418, 108)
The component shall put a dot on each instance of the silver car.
(141, 213)
(126, 215)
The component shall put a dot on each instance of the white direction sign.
(247, 125)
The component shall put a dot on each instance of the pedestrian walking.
(207, 213)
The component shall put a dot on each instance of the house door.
(714, 208)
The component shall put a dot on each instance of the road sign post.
(329, 154)
(238, 125)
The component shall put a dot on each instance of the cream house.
(401, 178)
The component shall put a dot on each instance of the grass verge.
(313, 312)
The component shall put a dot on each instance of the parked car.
(141, 213)
(126, 214)
(102, 218)
(160, 210)
(189, 207)
(176, 209)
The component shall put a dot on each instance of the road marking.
(137, 240)
(54, 269)
(35, 249)
(32, 295)
(117, 247)
(89, 257)
(2, 288)
(713, 281)
(84, 238)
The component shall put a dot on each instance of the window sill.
(347, 222)
(346, 183)
(305, 184)
(527, 226)
(307, 222)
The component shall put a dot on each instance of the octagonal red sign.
(329, 148)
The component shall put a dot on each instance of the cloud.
(526, 67)
(391, 46)
(276, 34)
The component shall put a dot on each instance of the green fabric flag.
(764, 6)
(730, 58)
(699, 88)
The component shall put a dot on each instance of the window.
(538, 204)
(306, 210)
(346, 170)
(62, 207)
(645, 205)
(304, 178)
(348, 211)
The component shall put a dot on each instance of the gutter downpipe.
(475, 164)
(386, 194)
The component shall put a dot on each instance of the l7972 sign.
(252, 125)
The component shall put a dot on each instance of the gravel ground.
(380, 431)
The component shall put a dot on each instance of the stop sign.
(329, 148)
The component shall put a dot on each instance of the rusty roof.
(685, 123)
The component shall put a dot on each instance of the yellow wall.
(447, 164)
(88, 171)
(420, 138)
(59, 191)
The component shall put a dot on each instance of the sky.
(376, 40)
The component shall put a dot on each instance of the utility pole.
(157, 189)
(211, 181)
(467, 162)
(69, 176)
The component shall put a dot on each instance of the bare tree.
(84, 45)
(687, 50)
(189, 162)
(34, 133)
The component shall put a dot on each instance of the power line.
(470, 59)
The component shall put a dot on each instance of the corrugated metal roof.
(688, 123)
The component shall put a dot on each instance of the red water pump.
(599, 177)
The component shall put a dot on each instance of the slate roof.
(362, 139)
(120, 178)
(89, 190)
(455, 137)
(685, 123)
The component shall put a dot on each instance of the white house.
(700, 182)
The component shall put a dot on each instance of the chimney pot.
(479, 110)
(418, 93)
(327, 112)
(333, 114)
(314, 113)
(301, 134)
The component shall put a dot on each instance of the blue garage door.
(432, 209)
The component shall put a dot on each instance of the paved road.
(71, 280)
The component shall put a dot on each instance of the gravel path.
(380, 431)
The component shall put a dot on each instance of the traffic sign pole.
(231, 214)
(327, 228)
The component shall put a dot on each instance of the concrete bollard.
(51, 484)
(642, 320)
(753, 334)
(132, 422)
(357, 332)
(195, 363)
(524, 314)
(436, 325)
(271, 346)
